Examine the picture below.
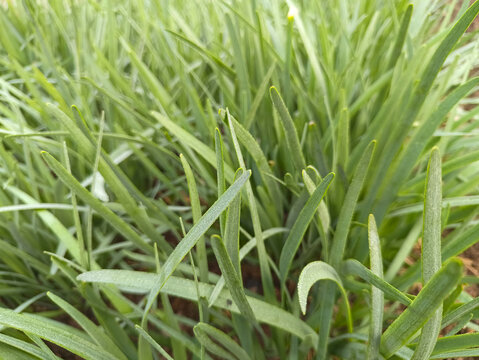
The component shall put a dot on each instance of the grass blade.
(349, 206)
(96, 204)
(232, 236)
(459, 312)
(431, 250)
(265, 271)
(300, 226)
(377, 296)
(250, 245)
(192, 142)
(193, 235)
(153, 343)
(338, 246)
(196, 211)
(253, 148)
(220, 173)
(422, 308)
(352, 267)
(22, 345)
(212, 338)
(89, 326)
(232, 279)
(291, 135)
(142, 282)
(313, 272)
(53, 332)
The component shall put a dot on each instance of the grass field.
(250, 179)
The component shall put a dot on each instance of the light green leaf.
(312, 273)
(26, 347)
(377, 296)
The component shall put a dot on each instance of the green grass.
(238, 180)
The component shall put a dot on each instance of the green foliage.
(177, 177)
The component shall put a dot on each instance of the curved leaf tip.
(312, 273)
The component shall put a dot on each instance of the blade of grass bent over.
(313, 272)
(142, 282)
(291, 135)
(431, 250)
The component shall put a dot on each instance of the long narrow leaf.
(229, 349)
(422, 308)
(141, 282)
(54, 333)
(431, 250)
(193, 235)
(300, 226)
(377, 296)
(291, 134)
(232, 279)
(312, 273)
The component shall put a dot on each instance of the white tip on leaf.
(293, 11)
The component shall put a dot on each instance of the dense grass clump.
(177, 177)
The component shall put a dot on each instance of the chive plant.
(238, 180)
